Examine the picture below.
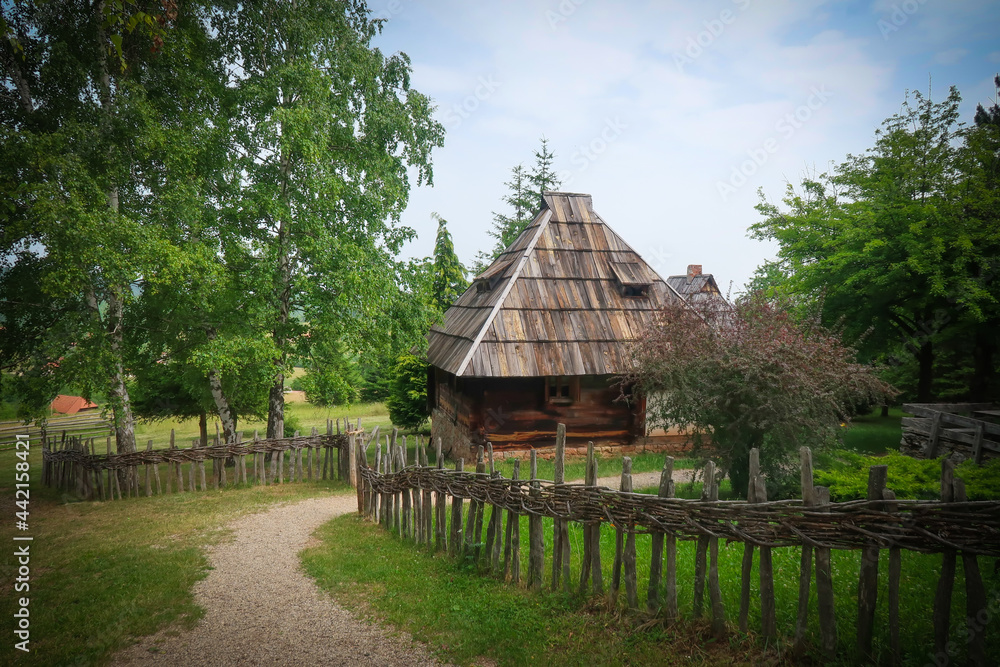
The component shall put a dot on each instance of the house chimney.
(693, 270)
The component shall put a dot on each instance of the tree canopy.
(900, 244)
(197, 186)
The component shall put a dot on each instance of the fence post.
(149, 486)
(975, 595)
(868, 576)
(377, 497)
(428, 500)
(591, 567)
(616, 566)
(824, 584)
(701, 551)
(656, 558)
(560, 527)
(536, 541)
(474, 526)
(512, 550)
(494, 537)
(406, 519)
(440, 536)
(942, 597)
(631, 585)
(714, 590)
(895, 648)
(805, 564)
(768, 622)
(455, 543)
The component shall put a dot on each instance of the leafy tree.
(749, 376)
(449, 275)
(84, 142)
(407, 401)
(889, 243)
(332, 377)
(326, 128)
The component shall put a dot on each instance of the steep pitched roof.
(553, 303)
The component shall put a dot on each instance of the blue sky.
(671, 114)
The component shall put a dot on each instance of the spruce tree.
(448, 281)
(524, 197)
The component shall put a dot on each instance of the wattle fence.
(73, 464)
(412, 499)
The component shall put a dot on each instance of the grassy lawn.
(102, 573)
(303, 415)
(471, 619)
(874, 434)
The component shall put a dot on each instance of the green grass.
(874, 434)
(102, 573)
(306, 415)
(469, 618)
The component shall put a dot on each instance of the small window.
(562, 390)
(635, 290)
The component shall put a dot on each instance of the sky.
(672, 115)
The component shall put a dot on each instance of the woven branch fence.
(412, 499)
(72, 464)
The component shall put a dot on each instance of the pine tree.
(449, 280)
(543, 178)
(524, 197)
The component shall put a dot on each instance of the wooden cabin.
(540, 336)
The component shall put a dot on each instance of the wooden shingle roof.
(555, 305)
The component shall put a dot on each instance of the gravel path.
(260, 609)
(642, 480)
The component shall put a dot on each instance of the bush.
(909, 478)
(328, 388)
(407, 401)
(292, 424)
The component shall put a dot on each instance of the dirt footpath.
(261, 609)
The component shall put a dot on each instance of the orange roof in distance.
(70, 405)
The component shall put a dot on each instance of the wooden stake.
(440, 535)
(824, 585)
(536, 541)
(895, 648)
(455, 542)
(976, 613)
(656, 559)
(628, 560)
(942, 597)
(868, 576)
(714, 590)
(805, 564)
